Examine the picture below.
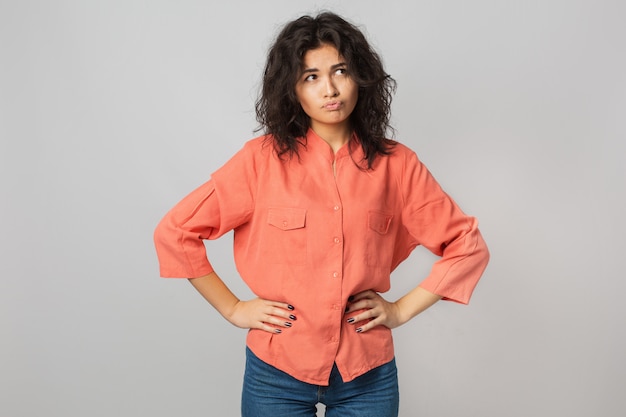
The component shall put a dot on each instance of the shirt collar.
(315, 144)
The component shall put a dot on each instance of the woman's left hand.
(377, 311)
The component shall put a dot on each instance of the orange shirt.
(311, 236)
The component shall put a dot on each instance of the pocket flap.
(286, 218)
(379, 221)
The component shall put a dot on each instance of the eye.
(310, 77)
(341, 71)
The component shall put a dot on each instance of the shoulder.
(247, 160)
(402, 150)
(405, 167)
(255, 149)
(401, 157)
(259, 144)
(259, 141)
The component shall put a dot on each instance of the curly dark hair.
(278, 109)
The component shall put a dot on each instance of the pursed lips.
(333, 105)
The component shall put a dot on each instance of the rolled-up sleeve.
(436, 222)
(213, 209)
(179, 236)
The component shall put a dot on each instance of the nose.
(330, 89)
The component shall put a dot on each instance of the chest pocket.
(380, 239)
(285, 235)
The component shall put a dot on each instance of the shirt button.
(336, 208)
(335, 274)
(285, 223)
(337, 240)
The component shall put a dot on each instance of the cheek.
(301, 96)
(305, 106)
(353, 90)
(354, 97)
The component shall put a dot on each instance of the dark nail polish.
(287, 324)
(292, 317)
(351, 320)
(359, 330)
(351, 298)
(278, 331)
(290, 307)
(346, 310)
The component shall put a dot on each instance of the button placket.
(337, 265)
(337, 240)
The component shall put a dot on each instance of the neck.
(335, 136)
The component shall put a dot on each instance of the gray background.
(110, 112)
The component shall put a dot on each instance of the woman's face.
(325, 90)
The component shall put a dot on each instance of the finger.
(272, 324)
(267, 328)
(369, 325)
(365, 315)
(362, 295)
(283, 314)
(363, 304)
(364, 328)
(278, 321)
(284, 306)
(283, 310)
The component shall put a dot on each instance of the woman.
(323, 207)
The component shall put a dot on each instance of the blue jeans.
(269, 392)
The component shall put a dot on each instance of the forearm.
(213, 289)
(415, 302)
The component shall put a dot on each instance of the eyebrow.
(333, 67)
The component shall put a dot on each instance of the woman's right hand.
(269, 316)
(266, 315)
